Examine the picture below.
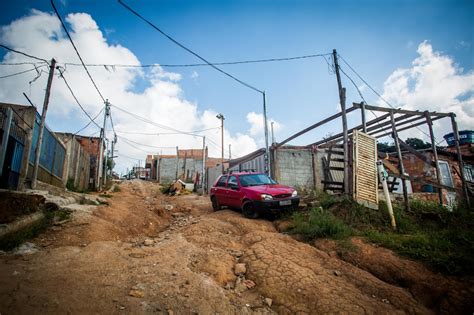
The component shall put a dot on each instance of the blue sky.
(376, 37)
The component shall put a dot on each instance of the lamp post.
(221, 117)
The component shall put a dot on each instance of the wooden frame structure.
(391, 122)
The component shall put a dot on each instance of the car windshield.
(255, 180)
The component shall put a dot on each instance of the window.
(221, 181)
(469, 172)
(446, 178)
(232, 181)
(255, 180)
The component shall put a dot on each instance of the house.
(187, 165)
(77, 174)
(19, 153)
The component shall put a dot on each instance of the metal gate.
(13, 157)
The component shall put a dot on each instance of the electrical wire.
(23, 53)
(187, 49)
(77, 52)
(61, 75)
(90, 122)
(200, 64)
(17, 73)
(164, 133)
(378, 94)
(145, 145)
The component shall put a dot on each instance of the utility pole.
(265, 126)
(6, 133)
(230, 151)
(203, 175)
(273, 134)
(106, 155)
(42, 123)
(101, 144)
(177, 162)
(221, 117)
(342, 100)
(112, 152)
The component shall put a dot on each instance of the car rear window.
(221, 181)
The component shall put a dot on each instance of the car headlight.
(294, 193)
(266, 197)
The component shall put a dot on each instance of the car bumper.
(276, 205)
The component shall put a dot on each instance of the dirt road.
(149, 253)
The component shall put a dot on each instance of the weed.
(105, 196)
(117, 189)
(316, 224)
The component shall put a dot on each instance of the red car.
(253, 193)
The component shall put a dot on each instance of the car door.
(220, 190)
(233, 192)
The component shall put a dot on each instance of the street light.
(221, 117)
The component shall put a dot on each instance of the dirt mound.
(437, 292)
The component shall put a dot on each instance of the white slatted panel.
(365, 170)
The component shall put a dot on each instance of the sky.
(416, 54)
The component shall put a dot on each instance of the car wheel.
(215, 204)
(248, 210)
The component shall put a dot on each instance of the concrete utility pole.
(6, 133)
(203, 175)
(177, 162)
(112, 152)
(273, 134)
(221, 117)
(106, 155)
(342, 100)
(101, 144)
(265, 127)
(230, 151)
(42, 123)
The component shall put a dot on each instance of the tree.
(417, 144)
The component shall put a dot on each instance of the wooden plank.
(398, 110)
(419, 155)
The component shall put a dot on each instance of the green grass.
(117, 189)
(318, 224)
(429, 233)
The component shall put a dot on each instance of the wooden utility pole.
(342, 100)
(177, 162)
(221, 117)
(362, 112)
(435, 155)
(401, 167)
(34, 178)
(460, 163)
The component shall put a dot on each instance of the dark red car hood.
(271, 189)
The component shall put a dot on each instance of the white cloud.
(435, 83)
(161, 101)
(256, 125)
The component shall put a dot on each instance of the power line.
(145, 145)
(90, 122)
(23, 53)
(18, 73)
(77, 52)
(164, 133)
(199, 64)
(378, 94)
(61, 75)
(187, 49)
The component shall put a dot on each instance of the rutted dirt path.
(148, 253)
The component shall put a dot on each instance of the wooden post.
(43, 122)
(362, 112)
(342, 100)
(401, 167)
(435, 155)
(177, 162)
(460, 163)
